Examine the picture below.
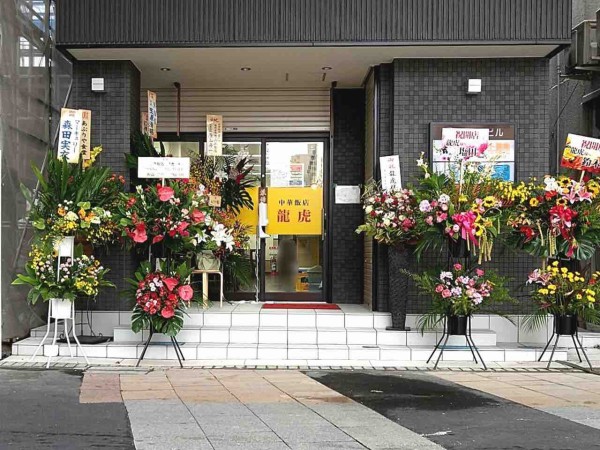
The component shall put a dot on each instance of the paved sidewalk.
(246, 409)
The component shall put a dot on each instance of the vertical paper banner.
(214, 135)
(391, 178)
(69, 135)
(86, 134)
(152, 115)
(144, 122)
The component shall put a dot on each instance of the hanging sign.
(152, 115)
(295, 210)
(69, 142)
(581, 153)
(214, 135)
(163, 167)
(144, 122)
(86, 133)
(391, 179)
(477, 143)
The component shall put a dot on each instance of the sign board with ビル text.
(214, 135)
(581, 153)
(483, 144)
(163, 167)
(152, 115)
(391, 178)
(69, 137)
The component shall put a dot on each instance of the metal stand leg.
(441, 352)
(478, 354)
(67, 338)
(437, 346)
(178, 351)
(553, 350)
(583, 351)
(576, 348)
(546, 347)
(145, 347)
(471, 348)
(53, 342)
(46, 335)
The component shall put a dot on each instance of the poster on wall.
(483, 144)
(152, 115)
(296, 175)
(69, 142)
(391, 179)
(86, 134)
(214, 135)
(581, 153)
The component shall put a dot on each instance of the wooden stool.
(205, 274)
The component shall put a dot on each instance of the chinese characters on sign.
(295, 211)
(86, 133)
(581, 153)
(391, 179)
(144, 122)
(69, 139)
(152, 115)
(214, 135)
(482, 144)
(163, 167)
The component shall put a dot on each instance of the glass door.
(293, 265)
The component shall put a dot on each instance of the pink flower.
(157, 239)
(457, 266)
(197, 216)
(165, 193)
(181, 227)
(139, 234)
(185, 292)
(446, 293)
(167, 312)
(171, 283)
(439, 288)
(480, 272)
(429, 220)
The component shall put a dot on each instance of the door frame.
(263, 138)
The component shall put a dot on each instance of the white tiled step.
(217, 351)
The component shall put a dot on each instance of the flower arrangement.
(459, 291)
(161, 297)
(560, 291)
(49, 278)
(559, 218)
(389, 216)
(462, 205)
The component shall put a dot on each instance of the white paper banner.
(214, 135)
(163, 167)
(391, 179)
(465, 143)
(69, 135)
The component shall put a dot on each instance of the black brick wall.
(348, 169)
(115, 114)
(513, 91)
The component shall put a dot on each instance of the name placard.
(581, 153)
(163, 167)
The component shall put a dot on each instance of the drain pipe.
(178, 87)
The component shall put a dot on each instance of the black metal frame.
(174, 342)
(446, 334)
(576, 342)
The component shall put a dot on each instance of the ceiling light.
(165, 69)
(326, 68)
(246, 69)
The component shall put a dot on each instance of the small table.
(205, 274)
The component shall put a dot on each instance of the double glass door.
(286, 245)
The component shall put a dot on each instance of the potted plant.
(62, 280)
(457, 294)
(161, 297)
(557, 219)
(390, 219)
(567, 295)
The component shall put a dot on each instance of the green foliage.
(238, 270)
(142, 146)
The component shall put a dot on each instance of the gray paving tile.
(324, 432)
(278, 408)
(200, 410)
(173, 443)
(226, 445)
(327, 446)
(391, 436)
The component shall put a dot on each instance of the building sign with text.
(474, 143)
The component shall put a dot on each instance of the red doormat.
(300, 305)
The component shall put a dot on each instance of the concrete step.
(267, 352)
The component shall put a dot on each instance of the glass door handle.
(323, 219)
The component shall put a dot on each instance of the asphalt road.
(40, 409)
(457, 417)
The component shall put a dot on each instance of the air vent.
(584, 47)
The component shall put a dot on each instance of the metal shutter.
(249, 110)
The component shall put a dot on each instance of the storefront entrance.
(288, 254)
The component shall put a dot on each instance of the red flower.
(171, 283)
(181, 227)
(139, 234)
(185, 292)
(157, 238)
(167, 312)
(197, 216)
(165, 193)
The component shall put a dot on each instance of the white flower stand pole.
(61, 309)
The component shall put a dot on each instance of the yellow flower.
(533, 202)
(61, 211)
(564, 270)
(543, 291)
(552, 287)
(463, 198)
(489, 201)
(82, 213)
(591, 299)
(479, 230)
(579, 296)
(555, 263)
(564, 182)
(561, 201)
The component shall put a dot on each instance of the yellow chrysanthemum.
(533, 202)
